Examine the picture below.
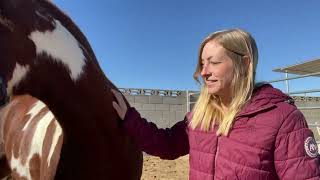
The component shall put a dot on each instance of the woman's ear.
(246, 59)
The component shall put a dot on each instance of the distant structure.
(301, 70)
(310, 106)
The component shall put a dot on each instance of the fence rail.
(150, 92)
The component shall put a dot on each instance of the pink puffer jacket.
(269, 140)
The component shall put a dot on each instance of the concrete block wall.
(164, 111)
(312, 115)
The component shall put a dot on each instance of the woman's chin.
(213, 92)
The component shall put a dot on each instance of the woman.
(237, 130)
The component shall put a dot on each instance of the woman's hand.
(120, 106)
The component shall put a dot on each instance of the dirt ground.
(155, 168)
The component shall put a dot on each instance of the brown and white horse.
(31, 137)
(44, 54)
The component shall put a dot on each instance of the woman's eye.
(214, 62)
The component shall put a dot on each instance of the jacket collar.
(264, 97)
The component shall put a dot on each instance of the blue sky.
(154, 44)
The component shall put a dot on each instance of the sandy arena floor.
(155, 168)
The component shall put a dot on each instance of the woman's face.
(217, 69)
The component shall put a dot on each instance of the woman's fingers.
(116, 95)
(119, 106)
(121, 101)
(118, 109)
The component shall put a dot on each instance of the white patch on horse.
(22, 170)
(37, 107)
(56, 135)
(36, 144)
(40, 132)
(61, 45)
(19, 73)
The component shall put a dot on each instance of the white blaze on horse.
(44, 54)
(31, 137)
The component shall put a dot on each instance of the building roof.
(307, 67)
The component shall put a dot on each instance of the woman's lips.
(211, 82)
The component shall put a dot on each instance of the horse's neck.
(89, 96)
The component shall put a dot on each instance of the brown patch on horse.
(24, 118)
(34, 167)
(17, 119)
(48, 169)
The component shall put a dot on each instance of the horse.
(45, 55)
(31, 138)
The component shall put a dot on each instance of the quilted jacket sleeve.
(296, 155)
(169, 143)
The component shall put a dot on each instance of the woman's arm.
(169, 143)
(296, 155)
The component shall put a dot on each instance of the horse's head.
(36, 38)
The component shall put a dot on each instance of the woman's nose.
(204, 70)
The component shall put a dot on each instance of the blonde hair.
(208, 110)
